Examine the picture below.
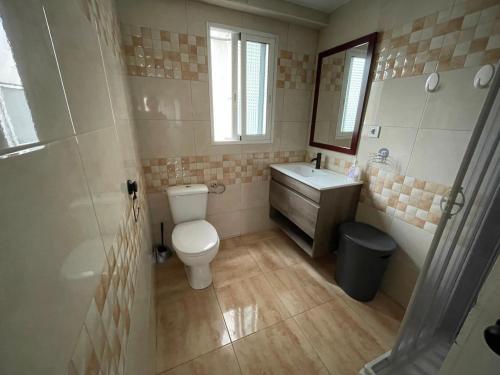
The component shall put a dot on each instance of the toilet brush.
(162, 251)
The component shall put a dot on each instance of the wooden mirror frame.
(371, 39)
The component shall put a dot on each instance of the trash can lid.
(367, 236)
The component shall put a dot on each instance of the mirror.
(340, 95)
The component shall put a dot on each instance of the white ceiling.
(326, 6)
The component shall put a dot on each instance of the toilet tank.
(187, 202)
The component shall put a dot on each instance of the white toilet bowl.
(196, 244)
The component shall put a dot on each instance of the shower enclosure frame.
(463, 250)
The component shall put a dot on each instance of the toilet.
(194, 239)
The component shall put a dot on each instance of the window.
(351, 92)
(242, 65)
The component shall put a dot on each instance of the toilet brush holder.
(162, 251)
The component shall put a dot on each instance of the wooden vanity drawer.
(300, 210)
(298, 186)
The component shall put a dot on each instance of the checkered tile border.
(101, 344)
(464, 35)
(295, 70)
(151, 52)
(228, 169)
(407, 198)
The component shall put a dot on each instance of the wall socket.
(373, 131)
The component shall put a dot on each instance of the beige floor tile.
(381, 317)
(340, 338)
(230, 243)
(221, 362)
(300, 287)
(280, 349)
(249, 306)
(263, 235)
(170, 280)
(188, 327)
(275, 253)
(233, 265)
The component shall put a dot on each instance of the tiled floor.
(271, 310)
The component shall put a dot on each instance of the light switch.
(373, 131)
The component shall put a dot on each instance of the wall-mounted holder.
(216, 188)
(380, 157)
(132, 191)
(484, 76)
(432, 82)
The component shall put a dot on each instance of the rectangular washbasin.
(320, 179)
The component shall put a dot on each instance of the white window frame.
(347, 66)
(246, 35)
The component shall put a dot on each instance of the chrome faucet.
(317, 159)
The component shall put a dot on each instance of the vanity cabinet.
(310, 216)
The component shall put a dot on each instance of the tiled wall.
(426, 133)
(173, 115)
(75, 267)
(463, 34)
(229, 169)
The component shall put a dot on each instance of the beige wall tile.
(51, 252)
(198, 14)
(161, 99)
(398, 140)
(297, 105)
(106, 180)
(302, 39)
(278, 105)
(230, 200)
(292, 135)
(155, 13)
(402, 102)
(373, 103)
(394, 12)
(160, 138)
(340, 30)
(78, 54)
(227, 224)
(399, 280)
(437, 155)
(255, 219)
(414, 241)
(41, 81)
(255, 194)
(456, 104)
(369, 215)
(201, 100)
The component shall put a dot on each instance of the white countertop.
(320, 179)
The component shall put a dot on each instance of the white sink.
(304, 170)
(321, 179)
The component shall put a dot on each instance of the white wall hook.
(432, 82)
(483, 76)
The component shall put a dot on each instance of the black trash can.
(362, 258)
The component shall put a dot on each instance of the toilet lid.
(194, 237)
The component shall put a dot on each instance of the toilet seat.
(194, 238)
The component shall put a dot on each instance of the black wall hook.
(492, 337)
(132, 190)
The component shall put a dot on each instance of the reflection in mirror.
(340, 95)
(16, 123)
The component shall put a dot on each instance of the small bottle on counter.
(354, 171)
